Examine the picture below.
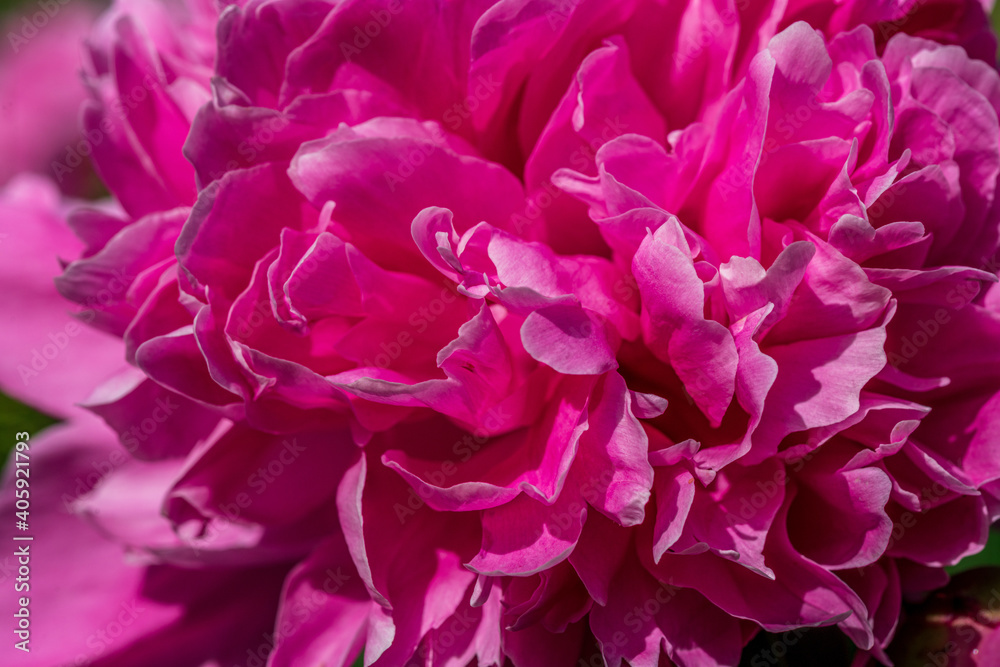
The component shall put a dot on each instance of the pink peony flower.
(551, 333)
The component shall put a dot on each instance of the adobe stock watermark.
(101, 640)
(131, 438)
(580, 159)
(389, 351)
(41, 356)
(453, 117)
(635, 620)
(565, 524)
(415, 158)
(258, 482)
(890, 28)
(709, 33)
(966, 633)
(957, 298)
(262, 312)
(462, 450)
(253, 146)
(462, 111)
(536, 204)
(740, 177)
(446, 636)
(767, 490)
(418, 322)
(295, 614)
(31, 24)
(907, 520)
(120, 106)
(778, 649)
(57, 341)
(560, 14)
(364, 35)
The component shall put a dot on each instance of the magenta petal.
(151, 422)
(946, 534)
(536, 646)
(692, 630)
(103, 282)
(491, 472)
(158, 358)
(569, 339)
(601, 549)
(835, 296)
(804, 591)
(832, 496)
(417, 588)
(748, 287)
(524, 536)
(127, 507)
(704, 356)
(819, 383)
(257, 199)
(675, 490)
(52, 359)
(281, 478)
(755, 495)
(529, 332)
(666, 276)
(613, 455)
(433, 231)
(324, 609)
(702, 352)
(167, 615)
(378, 195)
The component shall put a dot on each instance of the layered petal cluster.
(546, 332)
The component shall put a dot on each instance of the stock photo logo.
(530, 333)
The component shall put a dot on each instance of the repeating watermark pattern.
(294, 615)
(462, 110)
(31, 24)
(416, 157)
(778, 648)
(956, 651)
(258, 482)
(364, 35)
(254, 146)
(42, 355)
(709, 33)
(957, 298)
(446, 636)
(264, 477)
(890, 28)
(130, 438)
(121, 106)
(636, 621)
(56, 342)
(463, 449)
(103, 638)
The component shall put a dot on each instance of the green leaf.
(16, 417)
